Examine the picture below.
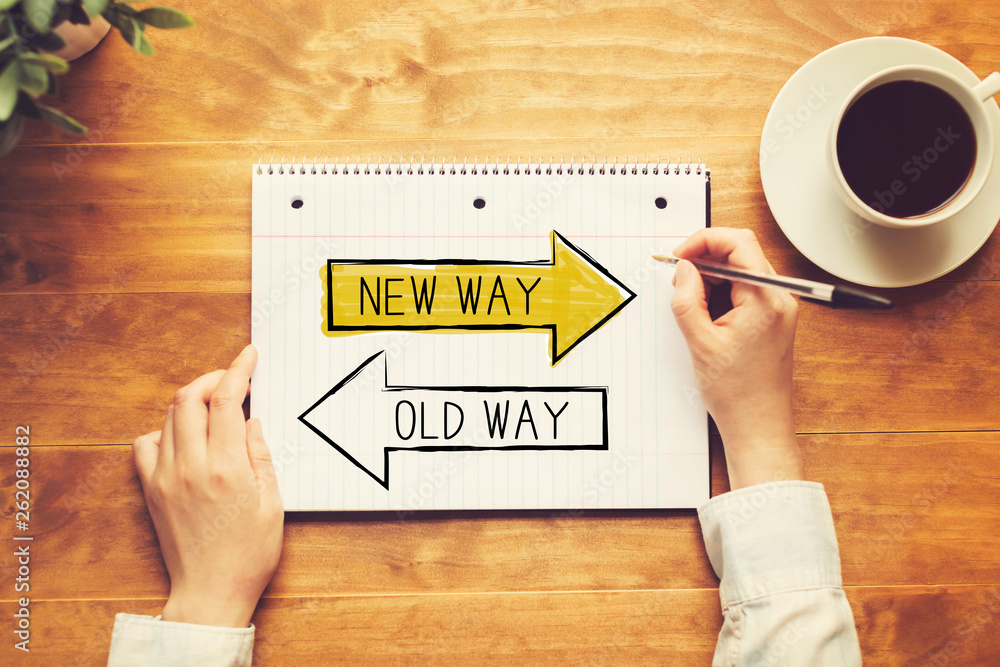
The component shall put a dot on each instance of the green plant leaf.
(7, 4)
(34, 79)
(136, 35)
(8, 89)
(145, 48)
(129, 12)
(49, 41)
(60, 120)
(39, 13)
(78, 15)
(26, 106)
(52, 63)
(95, 7)
(11, 133)
(165, 17)
(123, 23)
(4, 43)
(61, 14)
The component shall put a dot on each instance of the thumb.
(261, 463)
(688, 304)
(145, 451)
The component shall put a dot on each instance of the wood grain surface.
(125, 273)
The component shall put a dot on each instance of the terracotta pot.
(81, 38)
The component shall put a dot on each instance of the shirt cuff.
(145, 640)
(771, 538)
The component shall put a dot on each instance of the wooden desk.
(127, 274)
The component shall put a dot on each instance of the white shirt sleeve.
(144, 641)
(774, 549)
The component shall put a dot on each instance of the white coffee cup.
(973, 100)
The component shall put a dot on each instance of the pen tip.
(664, 258)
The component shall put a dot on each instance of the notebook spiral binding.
(410, 167)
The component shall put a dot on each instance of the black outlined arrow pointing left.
(365, 418)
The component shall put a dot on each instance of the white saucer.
(794, 173)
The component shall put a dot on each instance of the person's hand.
(212, 494)
(743, 360)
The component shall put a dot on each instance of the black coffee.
(906, 148)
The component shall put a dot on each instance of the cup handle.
(988, 87)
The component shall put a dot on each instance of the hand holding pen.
(835, 296)
(742, 360)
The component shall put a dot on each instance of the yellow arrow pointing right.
(571, 295)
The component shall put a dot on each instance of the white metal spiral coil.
(409, 167)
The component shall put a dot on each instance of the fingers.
(709, 281)
(689, 303)
(226, 427)
(263, 467)
(737, 247)
(190, 417)
(209, 407)
(145, 451)
(166, 449)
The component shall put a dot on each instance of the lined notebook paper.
(484, 336)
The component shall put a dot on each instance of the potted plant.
(31, 34)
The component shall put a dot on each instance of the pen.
(836, 296)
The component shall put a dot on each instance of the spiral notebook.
(476, 336)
